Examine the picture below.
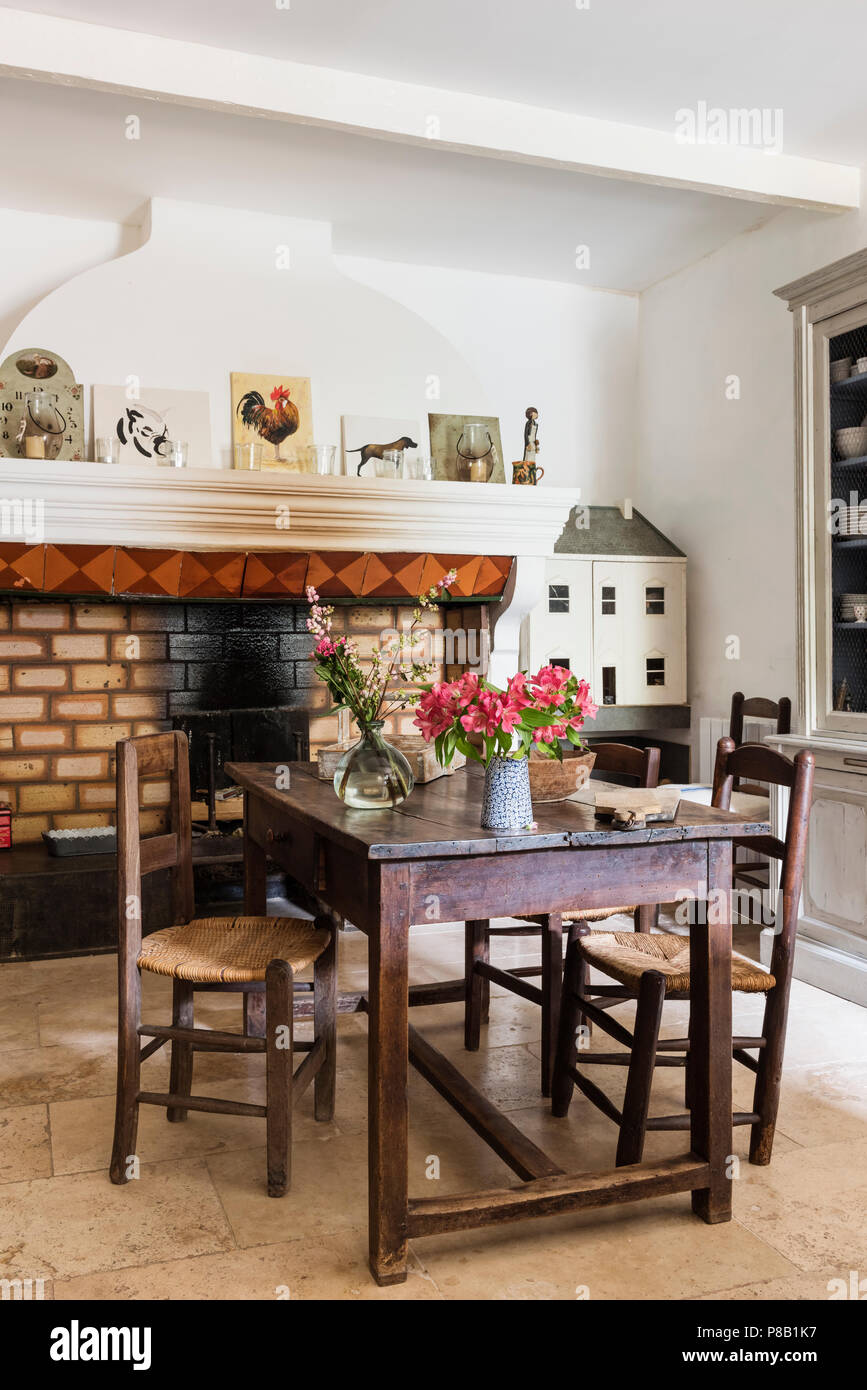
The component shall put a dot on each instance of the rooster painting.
(272, 423)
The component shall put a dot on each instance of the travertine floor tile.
(18, 1024)
(650, 1250)
(64, 1226)
(809, 1286)
(32, 1075)
(328, 1194)
(81, 1130)
(810, 1204)
(25, 1148)
(333, 1267)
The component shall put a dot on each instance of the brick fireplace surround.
(77, 675)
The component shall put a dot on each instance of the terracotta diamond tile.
(212, 574)
(22, 567)
(493, 574)
(467, 567)
(393, 574)
(153, 572)
(79, 569)
(337, 573)
(275, 574)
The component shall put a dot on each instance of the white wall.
(567, 350)
(40, 253)
(499, 343)
(717, 475)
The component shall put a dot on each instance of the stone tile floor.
(198, 1225)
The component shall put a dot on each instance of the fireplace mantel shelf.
(205, 508)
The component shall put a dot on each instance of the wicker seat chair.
(654, 967)
(753, 871)
(641, 766)
(244, 954)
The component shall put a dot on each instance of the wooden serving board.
(609, 800)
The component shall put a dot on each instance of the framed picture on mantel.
(466, 448)
(147, 423)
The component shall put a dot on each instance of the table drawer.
(283, 838)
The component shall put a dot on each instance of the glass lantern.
(43, 427)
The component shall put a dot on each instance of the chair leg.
(767, 1091)
(647, 917)
(278, 1057)
(486, 984)
(648, 1016)
(687, 1070)
(562, 1084)
(181, 1070)
(476, 948)
(552, 980)
(577, 929)
(128, 1078)
(254, 1013)
(325, 1026)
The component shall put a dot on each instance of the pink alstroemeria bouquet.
(499, 727)
(537, 710)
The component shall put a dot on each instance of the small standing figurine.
(531, 435)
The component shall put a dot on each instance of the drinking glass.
(108, 449)
(390, 464)
(248, 456)
(319, 458)
(176, 454)
(418, 467)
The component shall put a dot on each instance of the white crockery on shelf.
(851, 442)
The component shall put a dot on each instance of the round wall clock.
(38, 369)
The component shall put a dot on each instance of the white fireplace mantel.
(205, 508)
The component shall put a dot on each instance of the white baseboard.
(838, 972)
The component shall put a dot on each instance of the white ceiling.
(636, 61)
(624, 60)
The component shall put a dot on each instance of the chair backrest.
(642, 764)
(138, 757)
(758, 708)
(758, 763)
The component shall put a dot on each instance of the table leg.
(388, 1054)
(711, 1037)
(255, 872)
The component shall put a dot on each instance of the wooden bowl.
(551, 780)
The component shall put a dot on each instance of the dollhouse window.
(609, 601)
(558, 598)
(655, 667)
(560, 661)
(654, 600)
(609, 685)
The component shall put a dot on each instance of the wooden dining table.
(428, 861)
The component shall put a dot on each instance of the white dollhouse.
(614, 609)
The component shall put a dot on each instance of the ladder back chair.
(641, 766)
(754, 871)
(240, 954)
(652, 968)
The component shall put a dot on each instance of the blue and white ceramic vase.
(506, 803)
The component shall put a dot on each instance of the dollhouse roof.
(609, 533)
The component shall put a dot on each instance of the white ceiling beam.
(48, 49)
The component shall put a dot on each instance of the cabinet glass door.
(841, 522)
